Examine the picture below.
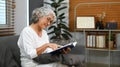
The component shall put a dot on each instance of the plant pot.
(111, 44)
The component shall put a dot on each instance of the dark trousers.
(67, 59)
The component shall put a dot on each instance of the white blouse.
(28, 42)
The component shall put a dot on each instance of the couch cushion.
(11, 42)
(6, 57)
(79, 49)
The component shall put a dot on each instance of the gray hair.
(41, 12)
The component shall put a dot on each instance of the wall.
(113, 13)
(20, 15)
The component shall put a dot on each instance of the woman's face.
(45, 21)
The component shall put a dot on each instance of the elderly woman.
(34, 42)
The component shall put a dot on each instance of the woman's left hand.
(65, 51)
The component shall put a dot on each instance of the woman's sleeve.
(27, 45)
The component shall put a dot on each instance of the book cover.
(58, 51)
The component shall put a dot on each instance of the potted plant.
(111, 39)
(99, 23)
(59, 30)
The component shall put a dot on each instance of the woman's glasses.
(49, 19)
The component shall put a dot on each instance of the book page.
(70, 45)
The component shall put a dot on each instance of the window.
(7, 17)
(3, 11)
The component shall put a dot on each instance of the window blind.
(8, 28)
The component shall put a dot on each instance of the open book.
(58, 51)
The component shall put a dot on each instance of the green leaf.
(65, 36)
(55, 5)
(64, 7)
(61, 15)
(53, 0)
(53, 37)
(52, 32)
(64, 22)
(68, 33)
(51, 27)
(57, 30)
(63, 26)
(60, 1)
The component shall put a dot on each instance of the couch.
(10, 53)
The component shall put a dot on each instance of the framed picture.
(85, 22)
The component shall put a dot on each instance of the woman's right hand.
(53, 45)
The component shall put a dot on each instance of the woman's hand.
(65, 51)
(41, 49)
(52, 45)
(55, 46)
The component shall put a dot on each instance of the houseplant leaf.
(65, 36)
(55, 5)
(62, 8)
(51, 32)
(62, 17)
(63, 26)
(53, 0)
(51, 27)
(60, 1)
(62, 14)
(66, 32)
